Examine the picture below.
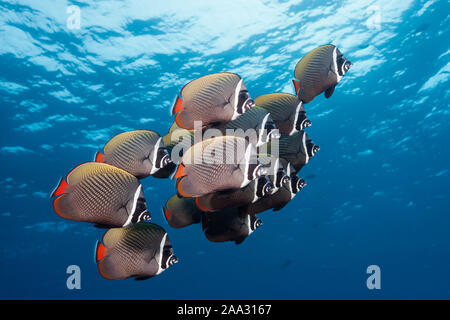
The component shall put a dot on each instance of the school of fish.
(233, 157)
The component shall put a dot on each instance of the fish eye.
(285, 179)
(301, 184)
(244, 95)
(250, 104)
(173, 260)
(162, 151)
(244, 102)
(268, 188)
(347, 65)
(307, 123)
(315, 149)
(270, 125)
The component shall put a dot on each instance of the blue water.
(378, 190)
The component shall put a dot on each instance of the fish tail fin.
(60, 188)
(100, 251)
(200, 206)
(177, 105)
(178, 121)
(63, 207)
(296, 86)
(99, 157)
(183, 187)
(179, 172)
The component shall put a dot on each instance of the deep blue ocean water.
(378, 190)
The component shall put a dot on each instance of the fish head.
(255, 223)
(302, 122)
(167, 257)
(268, 130)
(263, 187)
(241, 100)
(296, 184)
(159, 157)
(251, 166)
(281, 178)
(255, 171)
(137, 207)
(340, 65)
(312, 149)
(144, 216)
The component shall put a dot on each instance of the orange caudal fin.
(167, 214)
(179, 173)
(100, 251)
(296, 86)
(60, 189)
(99, 157)
(199, 205)
(179, 121)
(178, 105)
(183, 187)
(59, 209)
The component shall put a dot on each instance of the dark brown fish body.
(296, 149)
(141, 153)
(218, 201)
(276, 170)
(177, 142)
(286, 110)
(217, 164)
(213, 99)
(102, 194)
(229, 225)
(142, 250)
(280, 198)
(181, 212)
(256, 125)
(320, 70)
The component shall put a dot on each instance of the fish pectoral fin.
(101, 226)
(240, 240)
(278, 208)
(329, 92)
(140, 278)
